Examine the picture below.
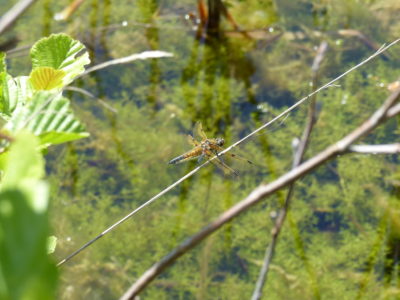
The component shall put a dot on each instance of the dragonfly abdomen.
(176, 160)
(186, 156)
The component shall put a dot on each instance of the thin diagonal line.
(148, 202)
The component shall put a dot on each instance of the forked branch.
(297, 159)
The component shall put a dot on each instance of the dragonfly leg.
(201, 157)
(223, 165)
(218, 156)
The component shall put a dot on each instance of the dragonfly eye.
(220, 141)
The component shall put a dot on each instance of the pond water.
(341, 237)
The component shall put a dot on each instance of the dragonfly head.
(220, 141)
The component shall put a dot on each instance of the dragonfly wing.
(198, 131)
(224, 167)
(234, 156)
(192, 141)
(218, 162)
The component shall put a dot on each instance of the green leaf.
(3, 66)
(26, 271)
(13, 91)
(16, 92)
(46, 78)
(9, 98)
(59, 52)
(51, 244)
(23, 167)
(54, 137)
(24, 89)
(47, 115)
(2, 100)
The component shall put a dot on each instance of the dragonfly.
(207, 148)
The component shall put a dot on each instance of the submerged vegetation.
(341, 236)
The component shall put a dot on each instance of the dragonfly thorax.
(212, 143)
(220, 141)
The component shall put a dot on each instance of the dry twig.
(376, 149)
(128, 59)
(13, 14)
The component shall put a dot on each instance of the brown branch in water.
(340, 147)
(363, 39)
(298, 157)
(231, 20)
(8, 19)
(210, 19)
(68, 11)
(214, 16)
(203, 14)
